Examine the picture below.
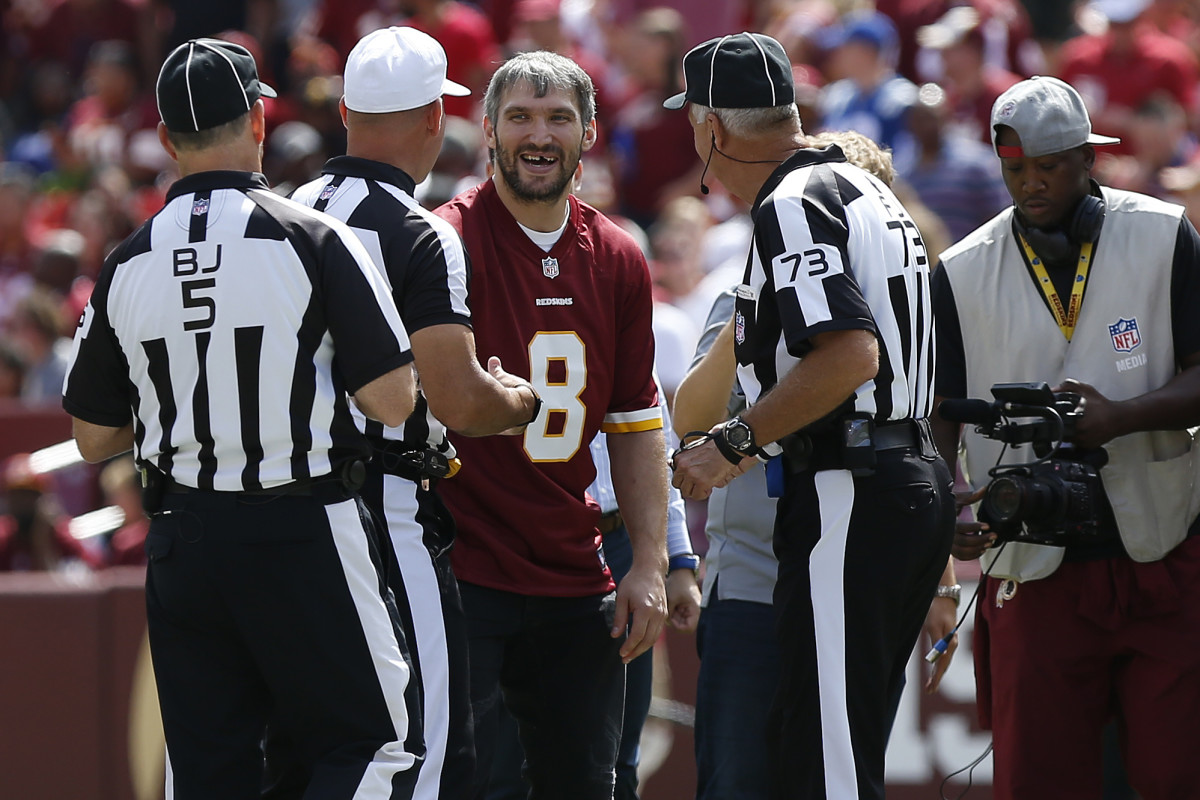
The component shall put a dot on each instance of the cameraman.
(1069, 636)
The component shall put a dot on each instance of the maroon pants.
(1064, 654)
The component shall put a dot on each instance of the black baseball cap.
(205, 83)
(741, 70)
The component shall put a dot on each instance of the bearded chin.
(512, 176)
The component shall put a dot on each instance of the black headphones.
(1059, 245)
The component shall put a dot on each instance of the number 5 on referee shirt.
(186, 262)
(558, 372)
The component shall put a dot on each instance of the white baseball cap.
(397, 69)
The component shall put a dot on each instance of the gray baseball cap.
(1048, 115)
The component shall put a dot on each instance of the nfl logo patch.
(1125, 336)
(200, 207)
(327, 192)
(550, 267)
(739, 327)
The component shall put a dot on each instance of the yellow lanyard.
(1066, 318)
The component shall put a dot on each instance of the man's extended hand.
(510, 381)
(699, 470)
(683, 600)
(1101, 421)
(641, 596)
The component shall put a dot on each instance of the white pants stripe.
(827, 570)
(390, 666)
(428, 650)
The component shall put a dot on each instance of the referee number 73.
(815, 261)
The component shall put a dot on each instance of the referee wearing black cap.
(221, 342)
(834, 347)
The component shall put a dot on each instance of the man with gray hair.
(834, 347)
(560, 293)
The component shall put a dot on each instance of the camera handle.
(1051, 427)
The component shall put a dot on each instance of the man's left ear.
(589, 135)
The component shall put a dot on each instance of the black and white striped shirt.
(229, 328)
(420, 254)
(834, 250)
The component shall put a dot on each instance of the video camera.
(1053, 500)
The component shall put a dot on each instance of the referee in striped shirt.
(834, 347)
(220, 342)
(394, 82)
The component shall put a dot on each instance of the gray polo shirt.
(741, 518)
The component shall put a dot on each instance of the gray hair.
(543, 71)
(747, 122)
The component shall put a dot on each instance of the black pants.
(506, 782)
(859, 560)
(562, 680)
(275, 608)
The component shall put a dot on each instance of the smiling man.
(561, 294)
(1096, 290)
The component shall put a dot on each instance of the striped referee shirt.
(834, 250)
(421, 256)
(229, 328)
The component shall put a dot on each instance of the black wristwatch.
(735, 440)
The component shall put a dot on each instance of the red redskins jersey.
(576, 320)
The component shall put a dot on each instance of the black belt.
(807, 452)
(335, 486)
(897, 436)
(609, 522)
(300, 488)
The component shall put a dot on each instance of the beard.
(554, 184)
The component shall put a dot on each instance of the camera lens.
(1004, 499)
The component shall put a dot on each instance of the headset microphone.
(714, 149)
(711, 150)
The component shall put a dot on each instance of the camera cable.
(936, 652)
(970, 770)
(940, 646)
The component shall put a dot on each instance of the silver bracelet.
(954, 592)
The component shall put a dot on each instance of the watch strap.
(726, 449)
(537, 404)
(684, 561)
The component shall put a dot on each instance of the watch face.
(738, 435)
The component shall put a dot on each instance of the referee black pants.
(274, 608)
(416, 556)
(859, 561)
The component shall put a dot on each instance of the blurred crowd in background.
(81, 166)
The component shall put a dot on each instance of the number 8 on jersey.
(558, 372)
